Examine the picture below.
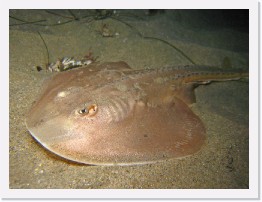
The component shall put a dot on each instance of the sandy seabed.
(223, 106)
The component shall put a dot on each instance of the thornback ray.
(110, 114)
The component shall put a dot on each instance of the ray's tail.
(206, 76)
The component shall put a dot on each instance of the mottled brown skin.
(109, 114)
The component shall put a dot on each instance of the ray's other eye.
(91, 110)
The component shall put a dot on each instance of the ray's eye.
(83, 111)
(91, 110)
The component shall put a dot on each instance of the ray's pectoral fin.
(120, 66)
(185, 93)
(150, 134)
(167, 131)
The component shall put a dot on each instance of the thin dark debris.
(96, 15)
